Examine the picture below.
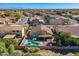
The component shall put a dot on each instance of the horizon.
(39, 5)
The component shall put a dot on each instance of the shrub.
(31, 54)
(31, 49)
(17, 53)
(76, 53)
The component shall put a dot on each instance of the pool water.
(30, 42)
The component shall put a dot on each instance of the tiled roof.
(74, 30)
(41, 29)
(5, 19)
(10, 27)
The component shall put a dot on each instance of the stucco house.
(19, 30)
(5, 21)
(73, 30)
(59, 20)
(41, 29)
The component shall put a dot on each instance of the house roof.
(5, 20)
(56, 19)
(45, 35)
(75, 16)
(74, 30)
(9, 36)
(41, 29)
(10, 27)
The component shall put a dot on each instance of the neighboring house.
(35, 17)
(76, 17)
(66, 14)
(73, 30)
(22, 21)
(19, 30)
(5, 21)
(28, 14)
(58, 20)
(38, 17)
(74, 22)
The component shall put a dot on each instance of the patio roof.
(45, 35)
(9, 36)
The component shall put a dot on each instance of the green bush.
(7, 48)
(76, 53)
(31, 49)
(17, 53)
(2, 48)
(63, 38)
(31, 54)
(11, 49)
(4, 54)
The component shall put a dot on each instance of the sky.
(39, 5)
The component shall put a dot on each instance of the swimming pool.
(30, 42)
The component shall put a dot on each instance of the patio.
(42, 40)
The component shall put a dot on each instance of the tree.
(11, 49)
(62, 38)
(18, 15)
(2, 15)
(59, 12)
(7, 13)
(34, 22)
(46, 19)
(8, 48)
(38, 13)
(75, 41)
(13, 52)
(72, 42)
(8, 41)
(2, 48)
(15, 42)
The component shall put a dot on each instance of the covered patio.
(9, 36)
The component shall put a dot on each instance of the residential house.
(59, 20)
(5, 21)
(41, 29)
(41, 32)
(19, 30)
(76, 17)
(73, 30)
